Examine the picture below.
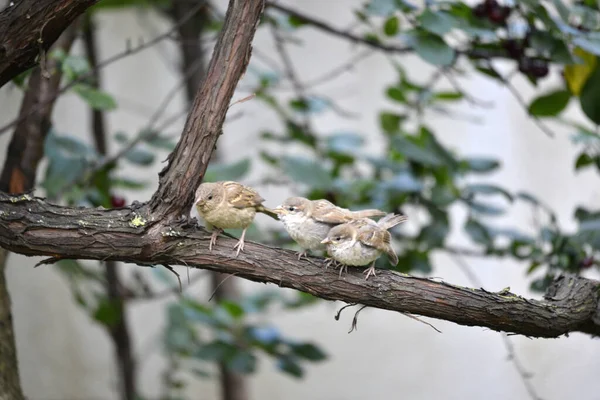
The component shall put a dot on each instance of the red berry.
(117, 201)
(587, 262)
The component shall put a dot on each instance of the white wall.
(63, 355)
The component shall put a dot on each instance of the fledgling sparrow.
(362, 241)
(228, 205)
(309, 221)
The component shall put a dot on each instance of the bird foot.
(329, 262)
(239, 246)
(303, 253)
(343, 267)
(213, 238)
(370, 271)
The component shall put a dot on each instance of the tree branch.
(33, 227)
(29, 27)
(188, 162)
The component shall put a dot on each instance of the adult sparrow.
(362, 241)
(309, 221)
(228, 205)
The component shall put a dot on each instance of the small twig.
(48, 261)
(243, 100)
(167, 266)
(409, 315)
(337, 316)
(355, 320)
(219, 285)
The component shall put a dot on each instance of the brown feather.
(241, 196)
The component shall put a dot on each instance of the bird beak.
(280, 210)
(199, 202)
(326, 241)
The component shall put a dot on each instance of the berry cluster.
(493, 11)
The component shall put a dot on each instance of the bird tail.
(391, 254)
(267, 211)
(367, 213)
(391, 220)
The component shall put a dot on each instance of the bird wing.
(241, 196)
(327, 212)
(379, 239)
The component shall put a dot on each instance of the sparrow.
(362, 241)
(228, 205)
(309, 221)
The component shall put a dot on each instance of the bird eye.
(291, 208)
(210, 197)
(337, 238)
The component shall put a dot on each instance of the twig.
(129, 51)
(220, 283)
(355, 320)
(242, 100)
(167, 266)
(337, 316)
(409, 315)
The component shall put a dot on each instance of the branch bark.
(33, 227)
(29, 27)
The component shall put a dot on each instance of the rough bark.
(119, 331)
(28, 29)
(33, 227)
(18, 175)
(10, 384)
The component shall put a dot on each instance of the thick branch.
(33, 227)
(29, 27)
(188, 162)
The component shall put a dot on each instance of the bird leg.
(370, 271)
(240, 244)
(213, 238)
(343, 267)
(329, 261)
(302, 253)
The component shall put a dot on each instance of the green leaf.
(107, 313)
(480, 188)
(243, 362)
(227, 172)
(234, 309)
(390, 27)
(307, 171)
(414, 152)
(139, 157)
(481, 165)
(584, 160)
(296, 21)
(590, 97)
(477, 232)
(308, 351)
(550, 104)
(448, 96)
(484, 208)
(404, 182)
(289, 365)
(397, 94)
(95, 98)
(345, 143)
(215, 351)
(390, 122)
(432, 49)
(436, 22)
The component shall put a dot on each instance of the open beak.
(326, 241)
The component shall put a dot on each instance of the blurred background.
(498, 189)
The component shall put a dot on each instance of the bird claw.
(239, 246)
(343, 267)
(370, 271)
(301, 254)
(213, 238)
(329, 262)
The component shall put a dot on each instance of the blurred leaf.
(95, 98)
(390, 27)
(584, 160)
(296, 21)
(477, 232)
(437, 22)
(107, 313)
(243, 362)
(306, 171)
(550, 104)
(395, 94)
(480, 188)
(590, 97)
(431, 48)
(481, 165)
(128, 183)
(265, 335)
(289, 365)
(577, 74)
(310, 104)
(308, 351)
(214, 351)
(541, 284)
(345, 143)
(484, 208)
(404, 182)
(390, 122)
(448, 96)
(139, 156)
(234, 309)
(412, 151)
(227, 172)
